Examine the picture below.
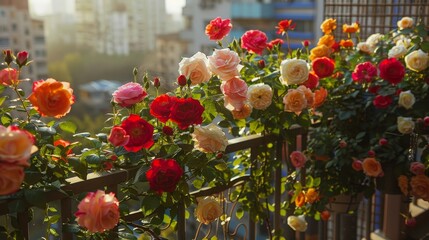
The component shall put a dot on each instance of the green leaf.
(80, 168)
(239, 213)
(150, 204)
(141, 174)
(221, 166)
(68, 126)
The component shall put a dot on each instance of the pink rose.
(254, 41)
(298, 159)
(357, 165)
(11, 177)
(118, 136)
(16, 145)
(417, 168)
(235, 91)
(224, 63)
(8, 76)
(129, 94)
(98, 211)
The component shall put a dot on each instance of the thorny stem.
(15, 88)
(145, 229)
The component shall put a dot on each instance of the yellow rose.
(208, 210)
(405, 125)
(406, 99)
(293, 71)
(405, 22)
(311, 195)
(420, 187)
(327, 40)
(397, 51)
(297, 223)
(195, 68)
(417, 60)
(329, 25)
(16, 146)
(209, 138)
(260, 96)
(365, 47)
(320, 51)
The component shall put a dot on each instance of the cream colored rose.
(195, 68)
(297, 223)
(397, 51)
(405, 125)
(406, 99)
(293, 71)
(208, 210)
(403, 41)
(405, 22)
(365, 47)
(209, 138)
(373, 40)
(417, 60)
(225, 63)
(260, 96)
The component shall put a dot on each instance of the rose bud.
(156, 82)
(167, 130)
(261, 64)
(325, 215)
(22, 58)
(181, 80)
(343, 144)
(382, 141)
(426, 121)
(371, 153)
(305, 43)
(410, 222)
(8, 56)
(219, 155)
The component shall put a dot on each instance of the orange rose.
(319, 97)
(351, 28)
(372, 167)
(320, 51)
(346, 43)
(300, 199)
(309, 95)
(52, 98)
(243, 113)
(11, 177)
(420, 187)
(311, 195)
(295, 101)
(327, 40)
(328, 25)
(403, 184)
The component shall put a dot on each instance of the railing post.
(66, 216)
(181, 234)
(23, 220)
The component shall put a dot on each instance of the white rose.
(225, 63)
(417, 60)
(365, 47)
(406, 99)
(373, 40)
(297, 223)
(405, 125)
(208, 210)
(260, 96)
(403, 41)
(195, 68)
(405, 22)
(293, 71)
(397, 51)
(210, 138)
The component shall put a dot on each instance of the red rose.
(160, 107)
(274, 42)
(392, 70)
(163, 175)
(254, 41)
(186, 111)
(218, 28)
(312, 81)
(285, 25)
(381, 101)
(140, 133)
(323, 66)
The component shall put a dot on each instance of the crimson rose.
(140, 132)
(160, 107)
(392, 70)
(381, 101)
(323, 67)
(186, 111)
(163, 175)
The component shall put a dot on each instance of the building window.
(4, 41)
(39, 40)
(14, 27)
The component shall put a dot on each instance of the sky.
(42, 7)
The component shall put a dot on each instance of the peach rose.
(320, 51)
(52, 98)
(417, 168)
(327, 40)
(403, 184)
(16, 145)
(294, 71)
(329, 25)
(397, 51)
(11, 177)
(298, 159)
(235, 91)
(406, 99)
(405, 22)
(195, 68)
(320, 96)
(297, 223)
(311, 195)
(209, 138)
(260, 96)
(242, 113)
(417, 60)
(309, 95)
(420, 187)
(372, 167)
(8, 76)
(98, 212)
(224, 63)
(129, 94)
(405, 125)
(295, 101)
(208, 210)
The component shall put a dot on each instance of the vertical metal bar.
(277, 185)
(181, 235)
(348, 228)
(23, 220)
(368, 219)
(252, 224)
(66, 216)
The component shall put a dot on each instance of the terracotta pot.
(345, 203)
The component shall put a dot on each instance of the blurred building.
(119, 26)
(97, 94)
(18, 32)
